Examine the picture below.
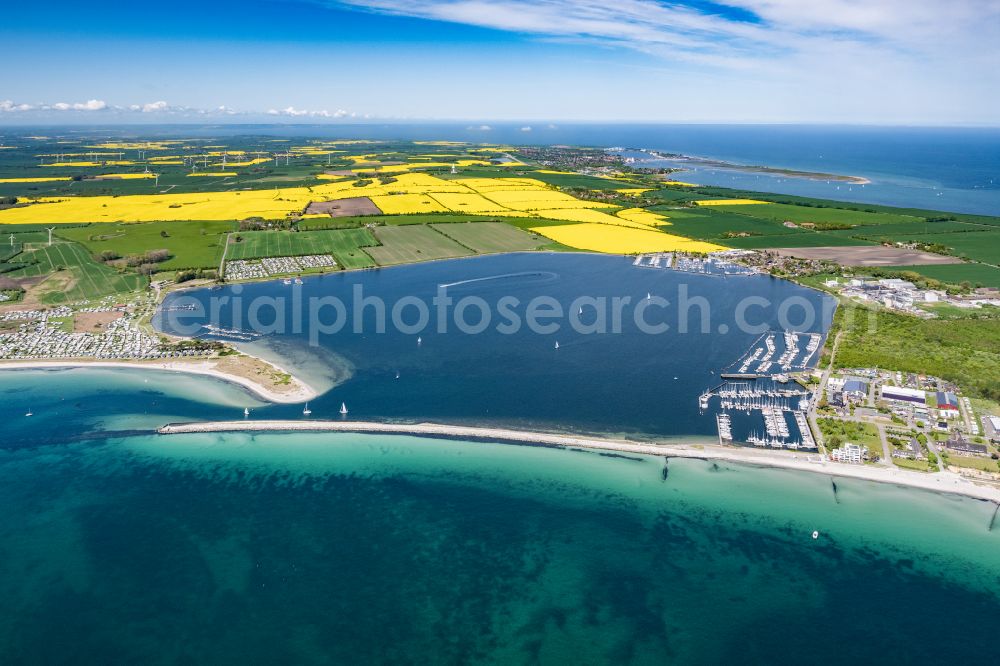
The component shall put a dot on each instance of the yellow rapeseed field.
(38, 179)
(125, 176)
(642, 216)
(587, 215)
(539, 199)
(401, 204)
(729, 202)
(91, 164)
(245, 163)
(468, 203)
(489, 184)
(148, 145)
(619, 240)
(217, 174)
(589, 225)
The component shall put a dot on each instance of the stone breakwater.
(944, 482)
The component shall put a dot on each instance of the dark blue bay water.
(630, 382)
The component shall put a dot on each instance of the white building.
(848, 453)
(901, 394)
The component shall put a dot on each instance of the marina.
(231, 333)
(763, 402)
(716, 264)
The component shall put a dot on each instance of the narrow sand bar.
(257, 377)
(942, 482)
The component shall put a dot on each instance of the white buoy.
(815, 534)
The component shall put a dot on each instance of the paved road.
(886, 449)
(820, 392)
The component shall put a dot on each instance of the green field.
(8, 251)
(904, 231)
(976, 245)
(491, 237)
(80, 276)
(971, 462)
(964, 351)
(708, 192)
(975, 274)
(800, 214)
(808, 239)
(193, 244)
(410, 243)
(679, 195)
(706, 224)
(344, 244)
(836, 432)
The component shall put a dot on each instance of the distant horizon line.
(541, 124)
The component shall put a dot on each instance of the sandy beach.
(294, 391)
(945, 483)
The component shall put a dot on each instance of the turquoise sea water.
(375, 549)
(122, 546)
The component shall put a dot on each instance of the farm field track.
(411, 243)
(491, 237)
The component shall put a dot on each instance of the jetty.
(676, 449)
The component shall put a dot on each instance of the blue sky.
(832, 61)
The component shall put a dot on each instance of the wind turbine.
(12, 240)
(50, 230)
(156, 183)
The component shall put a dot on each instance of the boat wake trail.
(547, 275)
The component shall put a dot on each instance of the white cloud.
(774, 60)
(162, 107)
(526, 129)
(480, 128)
(90, 105)
(763, 29)
(292, 112)
(7, 106)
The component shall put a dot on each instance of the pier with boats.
(230, 333)
(713, 265)
(758, 403)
